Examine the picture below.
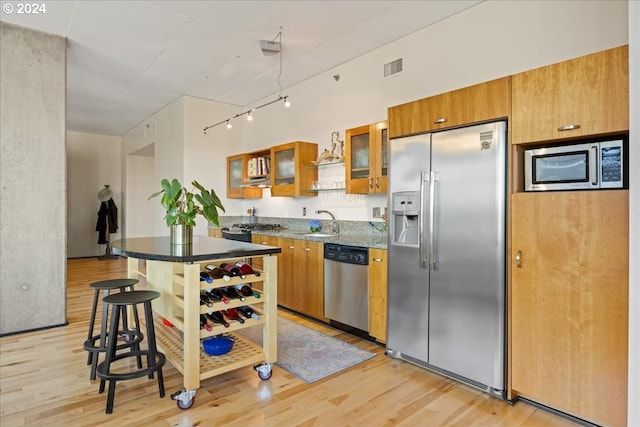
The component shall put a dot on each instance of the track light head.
(287, 104)
(229, 125)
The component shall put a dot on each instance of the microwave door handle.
(593, 167)
(423, 178)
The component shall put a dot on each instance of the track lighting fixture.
(247, 113)
(272, 47)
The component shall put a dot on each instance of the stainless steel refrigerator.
(446, 289)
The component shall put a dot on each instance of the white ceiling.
(128, 59)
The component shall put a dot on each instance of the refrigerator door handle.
(433, 261)
(421, 257)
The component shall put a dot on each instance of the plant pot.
(181, 234)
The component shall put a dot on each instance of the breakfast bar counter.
(174, 271)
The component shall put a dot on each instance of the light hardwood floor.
(44, 381)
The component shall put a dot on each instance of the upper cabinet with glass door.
(247, 174)
(291, 174)
(366, 154)
(237, 179)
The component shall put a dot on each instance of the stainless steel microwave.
(585, 166)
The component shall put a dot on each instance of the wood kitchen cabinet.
(378, 294)
(237, 179)
(300, 274)
(257, 262)
(308, 277)
(478, 103)
(569, 302)
(581, 97)
(366, 159)
(291, 171)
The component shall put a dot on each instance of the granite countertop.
(354, 233)
(203, 248)
(352, 239)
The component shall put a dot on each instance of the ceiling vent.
(393, 67)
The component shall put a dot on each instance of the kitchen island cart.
(174, 271)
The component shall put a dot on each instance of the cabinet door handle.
(519, 259)
(307, 249)
(568, 127)
(263, 243)
(376, 259)
(370, 182)
(377, 181)
(440, 120)
(290, 247)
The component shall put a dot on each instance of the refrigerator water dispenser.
(405, 211)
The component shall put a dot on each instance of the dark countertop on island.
(203, 248)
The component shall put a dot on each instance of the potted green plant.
(182, 207)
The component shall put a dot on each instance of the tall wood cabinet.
(291, 171)
(378, 294)
(477, 103)
(581, 97)
(569, 302)
(366, 159)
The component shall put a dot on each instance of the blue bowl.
(216, 346)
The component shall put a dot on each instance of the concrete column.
(32, 179)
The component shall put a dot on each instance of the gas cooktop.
(257, 226)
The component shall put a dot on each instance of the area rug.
(309, 355)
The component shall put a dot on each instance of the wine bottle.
(246, 268)
(231, 293)
(203, 323)
(217, 317)
(248, 312)
(205, 301)
(231, 270)
(204, 277)
(232, 314)
(217, 273)
(216, 296)
(247, 291)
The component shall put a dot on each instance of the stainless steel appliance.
(584, 166)
(446, 287)
(346, 285)
(242, 232)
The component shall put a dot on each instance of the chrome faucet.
(333, 224)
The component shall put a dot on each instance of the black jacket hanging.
(107, 215)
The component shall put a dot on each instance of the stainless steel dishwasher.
(346, 285)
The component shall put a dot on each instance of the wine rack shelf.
(244, 352)
(180, 287)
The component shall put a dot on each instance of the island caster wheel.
(264, 371)
(184, 398)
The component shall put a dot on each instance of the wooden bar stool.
(96, 344)
(154, 359)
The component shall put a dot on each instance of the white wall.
(93, 161)
(209, 169)
(488, 41)
(140, 170)
(180, 150)
(33, 212)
